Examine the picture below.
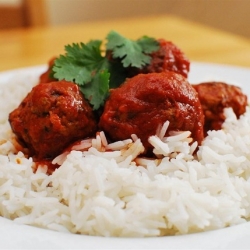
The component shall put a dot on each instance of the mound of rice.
(107, 190)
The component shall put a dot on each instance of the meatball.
(167, 58)
(52, 116)
(146, 101)
(47, 76)
(214, 97)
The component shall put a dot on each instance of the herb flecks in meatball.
(52, 116)
(146, 101)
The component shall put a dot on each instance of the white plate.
(13, 235)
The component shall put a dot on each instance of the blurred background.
(230, 15)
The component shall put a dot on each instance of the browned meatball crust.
(146, 101)
(52, 116)
(214, 97)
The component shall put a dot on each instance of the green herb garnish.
(132, 53)
(90, 68)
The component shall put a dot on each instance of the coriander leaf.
(66, 68)
(148, 44)
(91, 54)
(84, 65)
(131, 53)
(97, 90)
(79, 62)
(86, 54)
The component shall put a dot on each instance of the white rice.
(108, 190)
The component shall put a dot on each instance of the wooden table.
(35, 46)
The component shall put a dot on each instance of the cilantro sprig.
(90, 68)
(132, 53)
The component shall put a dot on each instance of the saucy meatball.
(146, 101)
(214, 97)
(168, 57)
(52, 116)
(47, 75)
